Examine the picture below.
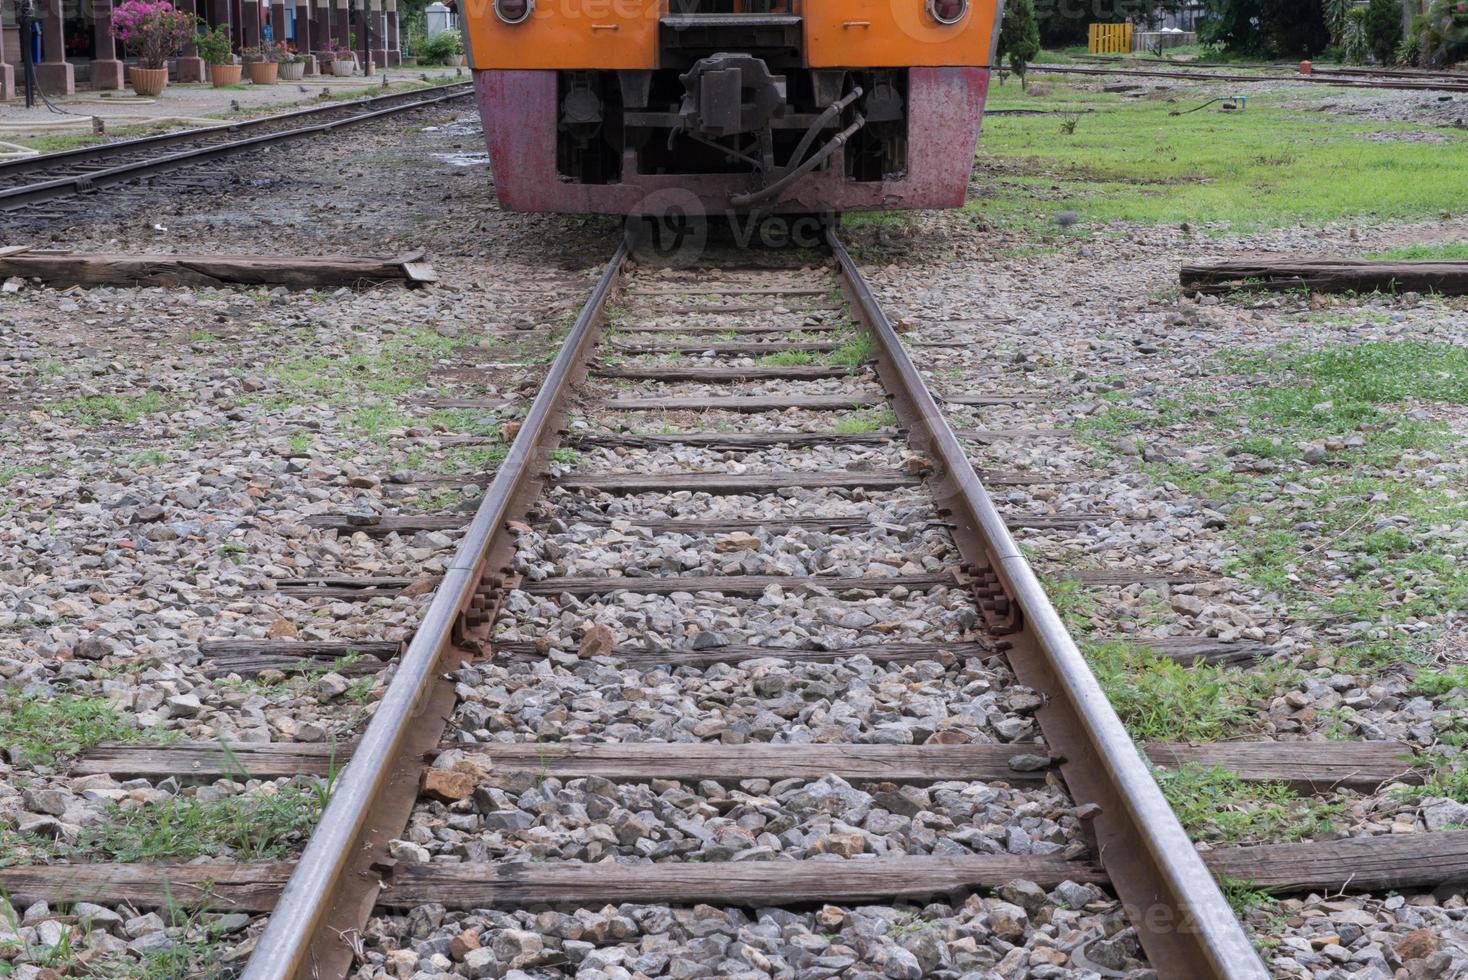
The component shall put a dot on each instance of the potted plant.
(293, 65)
(153, 31)
(264, 66)
(342, 60)
(214, 47)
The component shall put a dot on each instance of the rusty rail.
(1182, 919)
(24, 195)
(330, 872)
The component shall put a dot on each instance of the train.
(633, 107)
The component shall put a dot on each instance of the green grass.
(1131, 160)
(1455, 251)
(10, 471)
(1159, 698)
(41, 731)
(101, 409)
(1218, 807)
(1357, 544)
(1438, 683)
(253, 826)
(787, 358)
(860, 423)
(856, 351)
(376, 419)
(1450, 687)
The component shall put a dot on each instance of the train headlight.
(948, 11)
(519, 11)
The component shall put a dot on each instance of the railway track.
(770, 500)
(1336, 77)
(1127, 812)
(29, 181)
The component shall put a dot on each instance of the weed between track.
(44, 731)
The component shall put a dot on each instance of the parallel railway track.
(30, 181)
(1339, 78)
(954, 611)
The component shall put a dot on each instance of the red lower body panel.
(519, 110)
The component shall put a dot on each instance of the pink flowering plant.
(153, 30)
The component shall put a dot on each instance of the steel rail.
(29, 194)
(82, 154)
(1403, 84)
(1424, 74)
(283, 950)
(1182, 919)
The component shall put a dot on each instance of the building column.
(394, 52)
(7, 70)
(54, 73)
(379, 35)
(301, 11)
(321, 24)
(343, 17)
(107, 69)
(277, 21)
(190, 65)
(249, 24)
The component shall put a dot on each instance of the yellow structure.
(1111, 39)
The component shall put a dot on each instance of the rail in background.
(67, 183)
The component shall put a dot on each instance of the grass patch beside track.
(1159, 698)
(43, 731)
(1457, 251)
(1218, 807)
(1268, 166)
(262, 824)
(1333, 474)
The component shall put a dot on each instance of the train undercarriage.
(732, 120)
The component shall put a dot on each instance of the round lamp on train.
(947, 11)
(514, 11)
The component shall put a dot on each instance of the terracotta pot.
(342, 67)
(222, 75)
(148, 81)
(292, 71)
(264, 72)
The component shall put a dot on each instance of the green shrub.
(1442, 32)
(1355, 45)
(213, 45)
(439, 48)
(1409, 52)
(1383, 26)
(1019, 36)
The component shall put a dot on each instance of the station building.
(72, 46)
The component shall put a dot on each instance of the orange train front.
(795, 106)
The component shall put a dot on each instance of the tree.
(1019, 36)
(1266, 28)
(1384, 29)
(1442, 32)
